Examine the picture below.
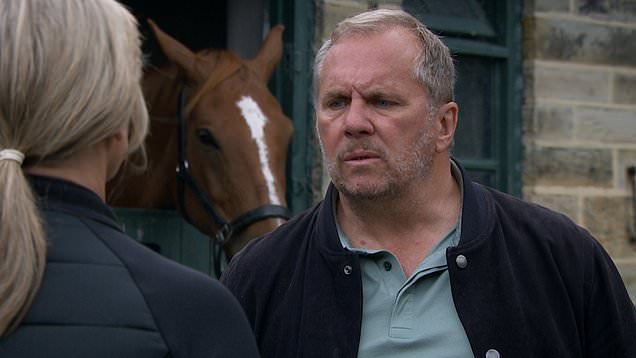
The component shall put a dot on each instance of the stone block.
(552, 5)
(626, 159)
(568, 167)
(386, 4)
(610, 220)
(555, 82)
(624, 88)
(607, 125)
(561, 39)
(616, 10)
(553, 122)
(393, 5)
(627, 269)
(565, 204)
(335, 11)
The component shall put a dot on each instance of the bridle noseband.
(186, 179)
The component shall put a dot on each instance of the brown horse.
(233, 146)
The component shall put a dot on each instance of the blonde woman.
(71, 283)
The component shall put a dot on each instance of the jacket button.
(347, 270)
(462, 262)
(492, 353)
(387, 266)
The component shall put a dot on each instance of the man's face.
(373, 115)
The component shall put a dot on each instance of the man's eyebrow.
(375, 93)
(334, 93)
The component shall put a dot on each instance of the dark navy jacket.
(530, 283)
(104, 295)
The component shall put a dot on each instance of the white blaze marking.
(256, 120)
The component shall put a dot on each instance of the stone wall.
(580, 117)
(330, 12)
(579, 113)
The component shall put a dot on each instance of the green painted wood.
(167, 233)
(478, 48)
(291, 84)
(512, 145)
(456, 16)
(501, 50)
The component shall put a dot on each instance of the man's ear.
(447, 120)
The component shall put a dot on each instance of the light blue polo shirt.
(409, 317)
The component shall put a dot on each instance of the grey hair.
(70, 77)
(433, 66)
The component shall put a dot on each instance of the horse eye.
(206, 138)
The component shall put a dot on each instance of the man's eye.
(336, 104)
(383, 103)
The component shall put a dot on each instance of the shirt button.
(462, 262)
(492, 353)
(347, 270)
(387, 266)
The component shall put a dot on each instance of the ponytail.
(22, 246)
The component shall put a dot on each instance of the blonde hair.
(70, 73)
(433, 67)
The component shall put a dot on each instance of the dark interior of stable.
(198, 24)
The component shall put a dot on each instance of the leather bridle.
(185, 179)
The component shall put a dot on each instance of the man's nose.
(357, 122)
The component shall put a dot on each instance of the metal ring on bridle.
(223, 234)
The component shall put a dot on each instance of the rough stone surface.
(568, 167)
(386, 4)
(610, 220)
(624, 88)
(552, 122)
(336, 11)
(565, 204)
(552, 5)
(626, 159)
(627, 269)
(617, 10)
(571, 84)
(613, 126)
(560, 39)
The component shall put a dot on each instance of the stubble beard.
(390, 183)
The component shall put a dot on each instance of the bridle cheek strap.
(186, 179)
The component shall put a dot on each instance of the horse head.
(234, 140)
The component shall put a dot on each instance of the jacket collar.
(326, 229)
(477, 211)
(477, 219)
(62, 195)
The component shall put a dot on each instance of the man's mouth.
(360, 155)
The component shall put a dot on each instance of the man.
(406, 257)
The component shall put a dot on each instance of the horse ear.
(270, 52)
(175, 51)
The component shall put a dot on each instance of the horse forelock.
(225, 64)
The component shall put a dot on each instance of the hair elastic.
(12, 154)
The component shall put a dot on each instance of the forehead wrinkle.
(374, 90)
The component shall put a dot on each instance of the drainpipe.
(631, 173)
